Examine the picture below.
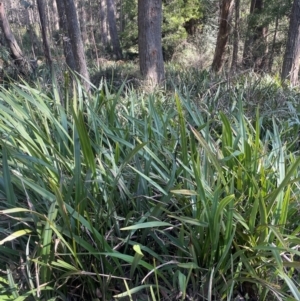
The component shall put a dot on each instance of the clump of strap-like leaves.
(150, 197)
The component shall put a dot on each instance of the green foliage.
(126, 194)
(272, 12)
(129, 34)
(175, 14)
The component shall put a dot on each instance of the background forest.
(149, 150)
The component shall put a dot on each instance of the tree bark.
(272, 52)
(236, 36)
(224, 30)
(62, 18)
(82, 22)
(103, 23)
(290, 67)
(256, 45)
(76, 42)
(149, 35)
(31, 30)
(111, 16)
(55, 18)
(15, 51)
(91, 30)
(42, 14)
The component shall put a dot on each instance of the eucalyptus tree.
(256, 44)
(81, 8)
(272, 48)
(63, 25)
(16, 52)
(76, 41)
(42, 15)
(223, 34)
(103, 23)
(54, 15)
(149, 41)
(114, 38)
(290, 67)
(236, 35)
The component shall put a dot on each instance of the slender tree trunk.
(15, 51)
(272, 53)
(76, 42)
(256, 44)
(103, 24)
(247, 54)
(224, 30)
(236, 37)
(31, 30)
(55, 18)
(17, 20)
(42, 14)
(150, 48)
(47, 52)
(290, 67)
(92, 35)
(68, 52)
(82, 22)
(111, 16)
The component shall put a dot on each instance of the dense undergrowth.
(187, 193)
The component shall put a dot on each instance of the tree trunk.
(15, 51)
(76, 42)
(42, 14)
(111, 16)
(290, 67)
(68, 52)
(150, 48)
(236, 37)
(103, 23)
(91, 30)
(55, 18)
(31, 30)
(272, 53)
(224, 30)
(256, 45)
(82, 22)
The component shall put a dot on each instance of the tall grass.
(145, 197)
